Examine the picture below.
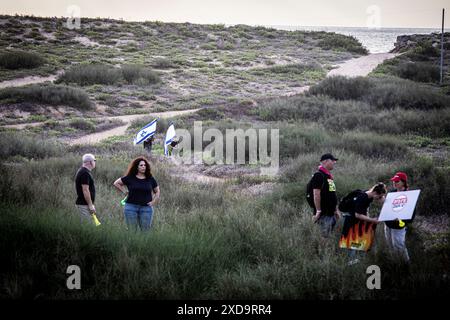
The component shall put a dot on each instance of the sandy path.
(28, 80)
(96, 137)
(361, 66)
(22, 125)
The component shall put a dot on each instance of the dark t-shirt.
(139, 190)
(395, 224)
(361, 206)
(328, 197)
(84, 176)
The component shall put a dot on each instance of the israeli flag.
(146, 132)
(169, 138)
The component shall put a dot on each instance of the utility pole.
(442, 48)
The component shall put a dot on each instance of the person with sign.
(395, 230)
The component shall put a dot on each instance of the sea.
(375, 40)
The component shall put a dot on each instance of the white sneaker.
(352, 262)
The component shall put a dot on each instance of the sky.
(339, 13)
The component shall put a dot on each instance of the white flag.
(146, 132)
(169, 138)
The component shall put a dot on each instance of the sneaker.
(352, 262)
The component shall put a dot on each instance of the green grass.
(20, 144)
(420, 72)
(384, 92)
(91, 74)
(17, 59)
(339, 42)
(48, 94)
(214, 241)
(206, 243)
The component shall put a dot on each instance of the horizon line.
(225, 24)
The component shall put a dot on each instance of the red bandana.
(324, 170)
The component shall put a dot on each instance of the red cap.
(399, 176)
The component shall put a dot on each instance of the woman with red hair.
(142, 192)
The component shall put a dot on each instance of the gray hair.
(88, 157)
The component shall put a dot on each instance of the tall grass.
(138, 74)
(18, 59)
(205, 249)
(89, 74)
(417, 71)
(342, 88)
(48, 94)
(207, 241)
(339, 116)
(20, 144)
(384, 93)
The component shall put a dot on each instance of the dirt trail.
(361, 66)
(96, 137)
(29, 80)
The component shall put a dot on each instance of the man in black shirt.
(84, 185)
(324, 195)
(148, 144)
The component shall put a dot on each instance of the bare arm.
(87, 197)
(120, 186)
(155, 198)
(366, 218)
(316, 195)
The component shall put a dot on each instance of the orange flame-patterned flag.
(358, 236)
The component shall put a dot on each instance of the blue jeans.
(326, 224)
(136, 215)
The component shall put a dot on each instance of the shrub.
(82, 124)
(162, 63)
(392, 92)
(427, 50)
(20, 60)
(89, 74)
(385, 92)
(138, 74)
(28, 146)
(418, 71)
(435, 192)
(343, 88)
(372, 146)
(48, 94)
(340, 116)
(340, 42)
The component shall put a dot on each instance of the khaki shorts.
(85, 214)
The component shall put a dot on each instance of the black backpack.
(309, 190)
(347, 203)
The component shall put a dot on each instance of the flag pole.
(442, 48)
